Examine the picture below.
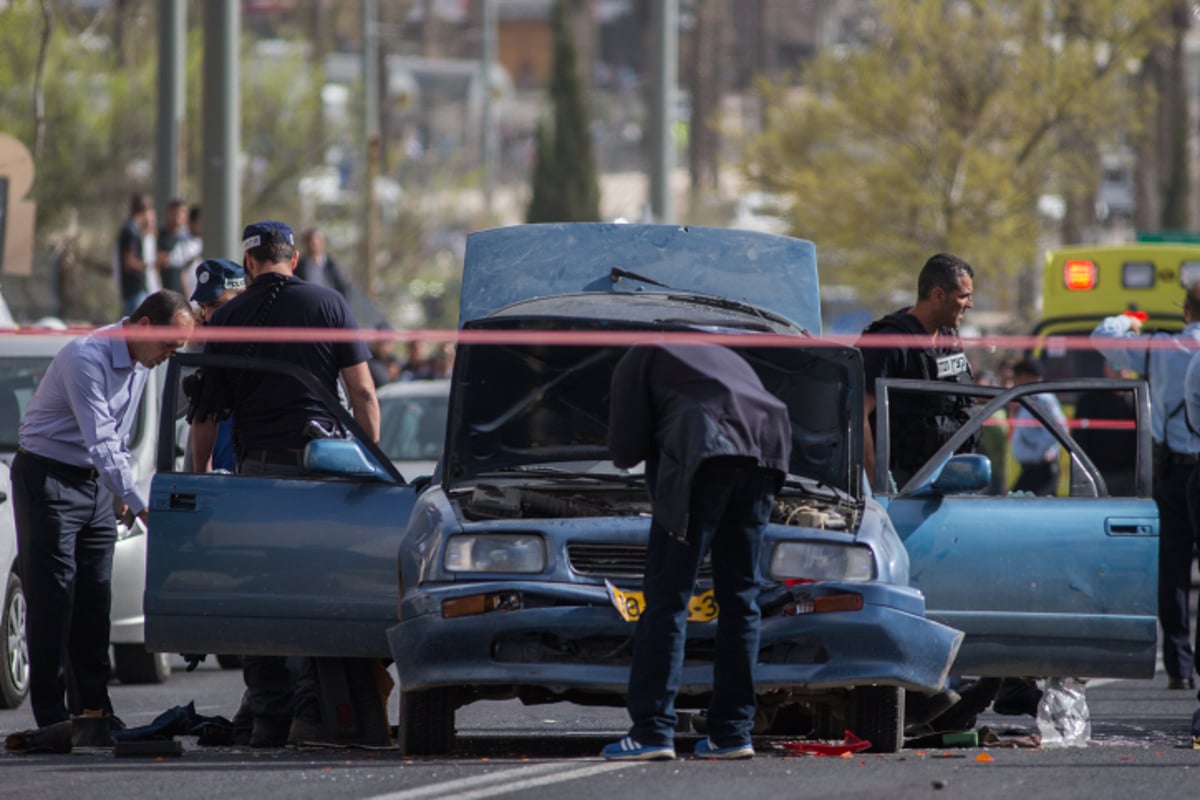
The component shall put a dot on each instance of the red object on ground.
(853, 744)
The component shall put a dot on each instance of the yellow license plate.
(630, 604)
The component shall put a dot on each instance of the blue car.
(516, 571)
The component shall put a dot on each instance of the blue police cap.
(216, 276)
(260, 233)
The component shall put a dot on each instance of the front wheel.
(134, 665)
(426, 722)
(876, 713)
(14, 678)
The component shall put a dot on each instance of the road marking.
(506, 781)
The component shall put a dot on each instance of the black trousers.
(1175, 485)
(271, 681)
(66, 532)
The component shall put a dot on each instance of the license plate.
(630, 604)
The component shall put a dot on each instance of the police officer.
(921, 424)
(270, 415)
(1163, 359)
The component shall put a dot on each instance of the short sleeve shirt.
(272, 410)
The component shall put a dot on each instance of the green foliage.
(84, 101)
(943, 133)
(565, 187)
(280, 103)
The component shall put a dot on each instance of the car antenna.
(617, 273)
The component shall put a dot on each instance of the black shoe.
(976, 697)
(1181, 683)
(91, 734)
(270, 731)
(307, 732)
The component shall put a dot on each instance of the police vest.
(920, 424)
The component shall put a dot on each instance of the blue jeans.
(729, 508)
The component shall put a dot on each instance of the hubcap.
(16, 646)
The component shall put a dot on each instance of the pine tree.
(565, 188)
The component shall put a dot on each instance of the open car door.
(1041, 586)
(269, 565)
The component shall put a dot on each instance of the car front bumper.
(581, 643)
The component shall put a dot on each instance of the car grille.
(616, 560)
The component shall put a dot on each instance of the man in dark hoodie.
(716, 446)
(920, 424)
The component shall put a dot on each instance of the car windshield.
(18, 378)
(412, 428)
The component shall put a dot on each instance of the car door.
(302, 565)
(1041, 586)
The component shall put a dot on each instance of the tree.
(1163, 168)
(565, 188)
(942, 134)
(708, 66)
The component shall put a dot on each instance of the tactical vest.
(921, 423)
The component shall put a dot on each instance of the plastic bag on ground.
(1063, 718)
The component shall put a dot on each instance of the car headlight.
(822, 561)
(495, 552)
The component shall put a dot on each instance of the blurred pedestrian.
(130, 265)
(317, 266)
(1109, 448)
(176, 248)
(1034, 446)
(716, 446)
(384, 364)
(69, 476)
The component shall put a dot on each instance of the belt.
(1172, 457)
(288, 458)
(61, 467)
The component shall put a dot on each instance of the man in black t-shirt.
(921, 424)
(271, 412)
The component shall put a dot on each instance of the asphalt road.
(1139, 730)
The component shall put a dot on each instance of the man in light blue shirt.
(1034, 447)
(1162, 359)
(71, 463)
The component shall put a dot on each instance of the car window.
(19, 376)
(1086, 431)
(412, 428)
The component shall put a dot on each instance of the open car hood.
(507, 265)
(525, 405)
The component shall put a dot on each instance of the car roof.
(33, 344)
(503, 266)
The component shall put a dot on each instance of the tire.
(229, 662)
(134, 665)
(14, 677)
(426, 722)
(876, 713)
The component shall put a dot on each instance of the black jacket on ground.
(676, 406)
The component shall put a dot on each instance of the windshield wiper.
(616, 273)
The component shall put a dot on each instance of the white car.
(23, 361)
(412, 424)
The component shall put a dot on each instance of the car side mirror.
(341, 457)
(963, 474)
